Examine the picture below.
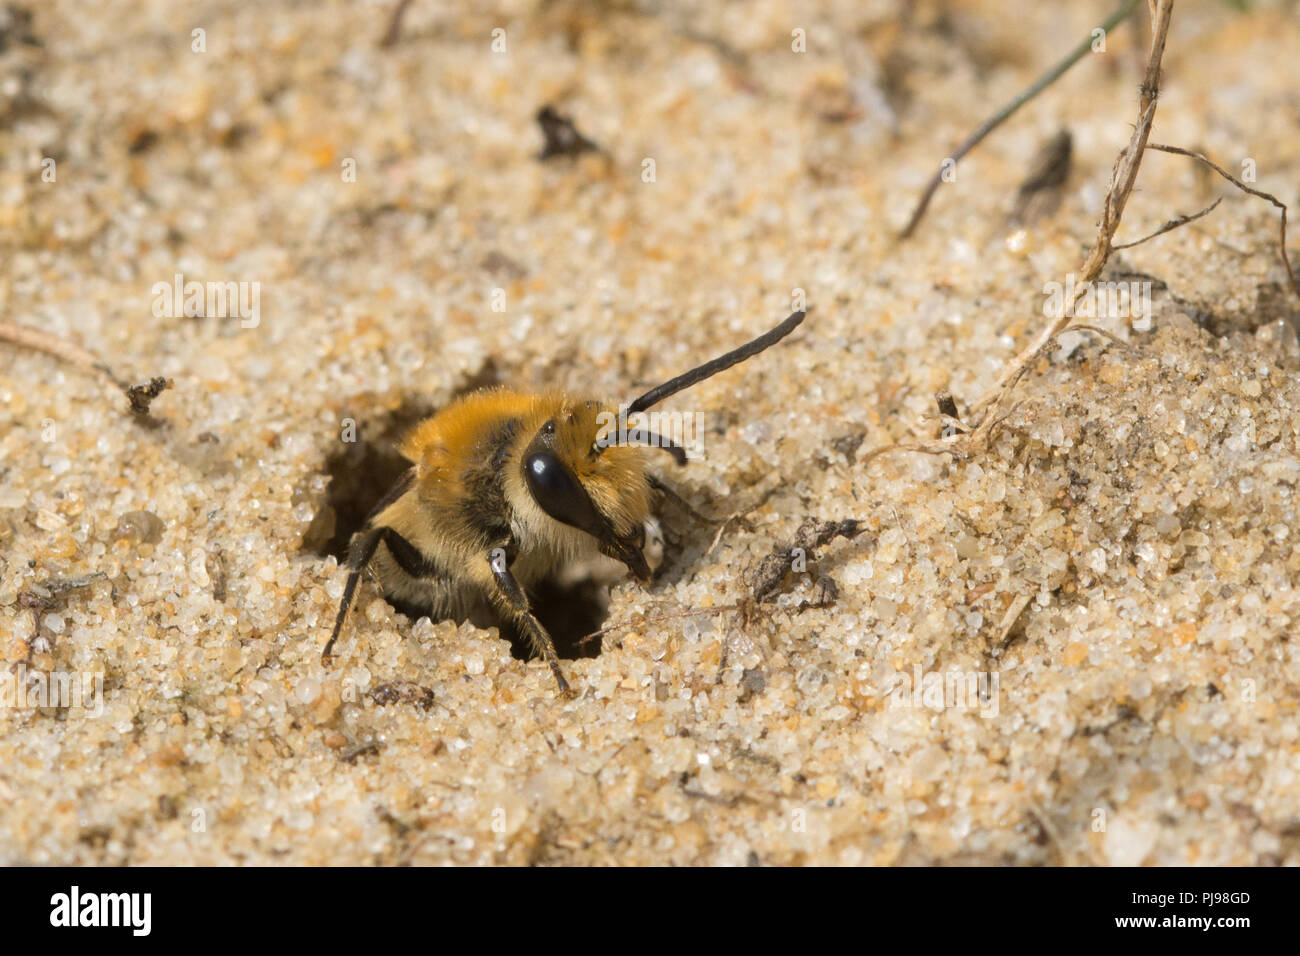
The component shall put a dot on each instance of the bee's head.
(584, 469)
(587, 484)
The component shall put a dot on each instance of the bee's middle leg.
(510, 598)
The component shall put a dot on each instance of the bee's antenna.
(642, 436)
(719, 364)
(667, 444)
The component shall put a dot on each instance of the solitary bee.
(506, 488)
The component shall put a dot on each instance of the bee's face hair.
(600, 490)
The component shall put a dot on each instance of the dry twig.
(139, 396)
(1169, 226)
(984, 413)
(1295, 286)
(1122, 181)
(993, 122)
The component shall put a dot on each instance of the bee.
(506, 488)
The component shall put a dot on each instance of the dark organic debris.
(215, 565)
(403, 692)
(351, 754)
(947, 404)
(142, 396)
(142, 141)
(848, 445)
(1040, 193)
(752, 683)
(952, 424)
(498, 263)
(775, 567)
(825, 593)
(393, 33)
(46, 596)
(16, 27)
(562, 137)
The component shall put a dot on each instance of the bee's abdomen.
(419, 584)
(414, 562)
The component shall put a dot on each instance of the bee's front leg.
(510, 598)
(361, 550)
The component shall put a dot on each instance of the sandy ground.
(405, 243)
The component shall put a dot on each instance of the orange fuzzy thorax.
(443, 445)
(452, 434)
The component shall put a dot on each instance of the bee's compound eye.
(560, 495)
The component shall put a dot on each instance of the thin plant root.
(140, 397)
(1286, 261)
